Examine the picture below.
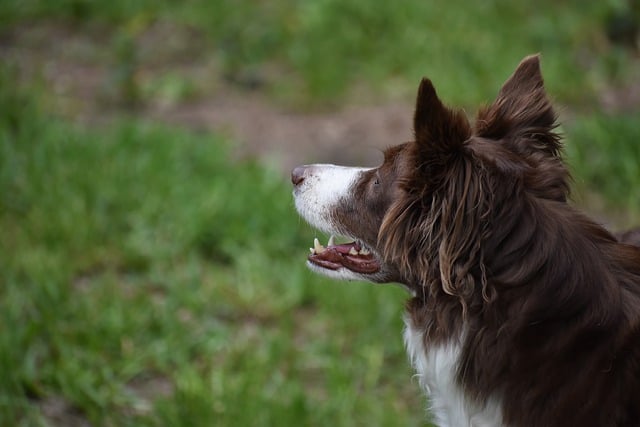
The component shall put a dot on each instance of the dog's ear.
(438, 130)
(522, 111)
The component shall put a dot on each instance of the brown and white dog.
(524, 312)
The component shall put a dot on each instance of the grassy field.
(149, 280)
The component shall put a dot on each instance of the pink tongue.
(337, 256)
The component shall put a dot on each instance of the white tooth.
(331, 241)
(353, 251)
(364, 251)
(317, 246)
(312, 250)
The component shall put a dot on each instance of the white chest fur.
(436, 371)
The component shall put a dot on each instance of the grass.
(605, 156)
(323, 50)
(149, 280)
(139, 255)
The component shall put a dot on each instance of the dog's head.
(439, 206)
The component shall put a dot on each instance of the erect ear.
(521, 108)
(438, 130)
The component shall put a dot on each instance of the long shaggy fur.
(533, 307)
(548, 299)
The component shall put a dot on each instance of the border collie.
(524, 312)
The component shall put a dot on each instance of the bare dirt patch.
(59, 412)
(352, 135)
(84, 87)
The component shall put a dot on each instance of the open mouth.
(353, 256)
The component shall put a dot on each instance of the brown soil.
(352, 135)
(81, 70)
(83, 88)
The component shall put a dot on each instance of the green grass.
(147, 279)
(135, 254)
(314, 52)
(603, 151)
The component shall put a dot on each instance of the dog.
(523, 311)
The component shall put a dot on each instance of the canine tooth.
(317, 246)
(353, 251)
(364, 251)
(331, 241)
(313, 251)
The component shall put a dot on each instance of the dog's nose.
(297, 175)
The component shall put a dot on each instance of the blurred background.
(151, 260)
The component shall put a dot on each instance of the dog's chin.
(343, 273)
(340, 273)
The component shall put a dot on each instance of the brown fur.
(474, 219)
(479, 227)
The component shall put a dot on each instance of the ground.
(281, 136)
(171, 86)
(83, 82)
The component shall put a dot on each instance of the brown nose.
(297, 175)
